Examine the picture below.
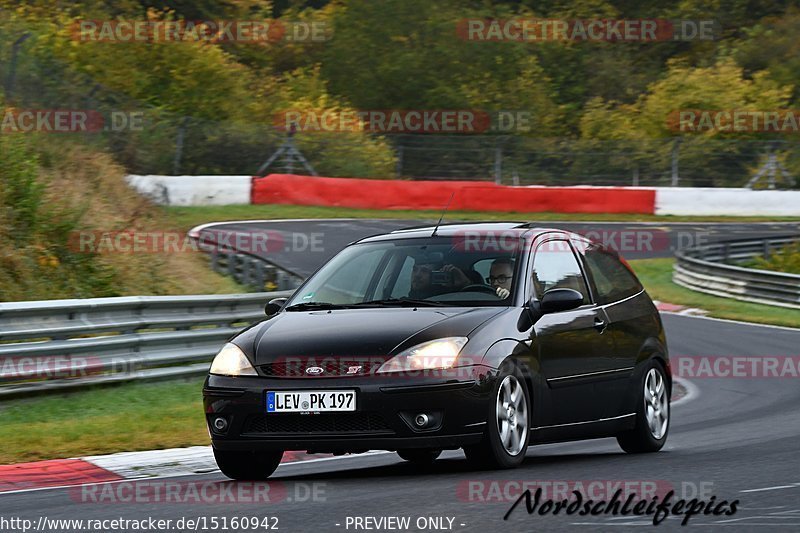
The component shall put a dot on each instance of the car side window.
(555, 267)
(612, 279)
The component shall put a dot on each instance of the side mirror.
(556, 300)
(274, 306)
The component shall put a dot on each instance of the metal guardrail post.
(261, 278)
(214, 259)
(232, 263)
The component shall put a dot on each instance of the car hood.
(362, 333)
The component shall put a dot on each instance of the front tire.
(506, 437)
(247, 466)
(652, 414)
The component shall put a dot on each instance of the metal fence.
(170, 143)
(707, 269)
(49, 346)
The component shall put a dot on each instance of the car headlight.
(231, 361)
(431, 355)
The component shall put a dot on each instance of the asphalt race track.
(733, 438)
(304, 245)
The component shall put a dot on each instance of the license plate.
(316, 401)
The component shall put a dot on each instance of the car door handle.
(600, 324)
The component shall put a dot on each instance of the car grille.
(338, 368)
(333, 423)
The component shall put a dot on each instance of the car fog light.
(220, 424)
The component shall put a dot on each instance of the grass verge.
(656, 276)
(188, 217)
(127, 417)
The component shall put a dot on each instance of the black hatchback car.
(488, 337)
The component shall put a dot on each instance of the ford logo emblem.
(315, 370)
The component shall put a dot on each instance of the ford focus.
(488, 337)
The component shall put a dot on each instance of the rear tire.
(247, 466)
(508, 419)
(652, 413)
(420, 457)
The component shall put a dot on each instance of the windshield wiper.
(388, 302)
(402, 302)
(305, 306)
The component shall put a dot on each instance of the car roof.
(451, 229)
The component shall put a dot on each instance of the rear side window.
(612, 279)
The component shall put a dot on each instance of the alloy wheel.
(512, 415)
(656, 404)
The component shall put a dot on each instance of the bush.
(787, 259)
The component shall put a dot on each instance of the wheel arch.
(525, 360)
(653, 349)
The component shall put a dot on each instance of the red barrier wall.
(433, 195)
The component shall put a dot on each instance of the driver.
(501, 273)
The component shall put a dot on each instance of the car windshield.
(414, 272)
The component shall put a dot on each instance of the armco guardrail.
(248, 269)
(48, 346)
(707, 269)
(252, 271)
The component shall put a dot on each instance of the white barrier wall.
(193, 190)
(732, 202)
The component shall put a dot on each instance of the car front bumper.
(456, 401)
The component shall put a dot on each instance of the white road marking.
(692, 391)
(766, 524)
(777, 487)
(201, 227)
(761, 508)
(742, 519)
(632, 523)
(321, 459)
